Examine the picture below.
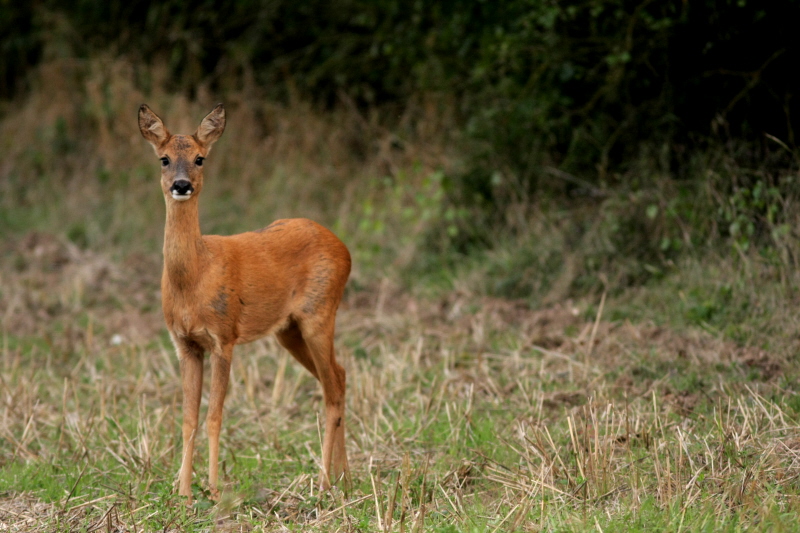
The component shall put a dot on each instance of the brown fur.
(286, 279)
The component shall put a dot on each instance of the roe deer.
(286, 279)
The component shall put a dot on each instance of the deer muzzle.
(181, 190)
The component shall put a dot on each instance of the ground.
(465, 413)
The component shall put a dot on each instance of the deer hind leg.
(292, 339)
(191, 361)
(319, 342)
(220, 374)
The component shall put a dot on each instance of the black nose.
(181, 187)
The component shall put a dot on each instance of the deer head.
(181, 156)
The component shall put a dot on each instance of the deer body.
(287, 279)
(239, 288)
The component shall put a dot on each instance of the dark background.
(561, 103)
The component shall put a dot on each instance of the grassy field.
(671, 406)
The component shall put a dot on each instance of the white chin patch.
(181, 197)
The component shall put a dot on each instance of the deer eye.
(199, 161)
(164, 161)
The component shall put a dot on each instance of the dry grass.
(475, 413)
(72, 148)
(465, 413)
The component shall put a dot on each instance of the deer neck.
(185, 254)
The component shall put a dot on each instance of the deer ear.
(212, 126)
(151, 127)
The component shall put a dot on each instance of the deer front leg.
(220, 374)
(191, 361)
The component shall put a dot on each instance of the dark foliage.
(556, 97)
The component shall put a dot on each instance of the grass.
(671, 405)
(458, 421)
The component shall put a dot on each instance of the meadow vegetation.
(557, 350)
